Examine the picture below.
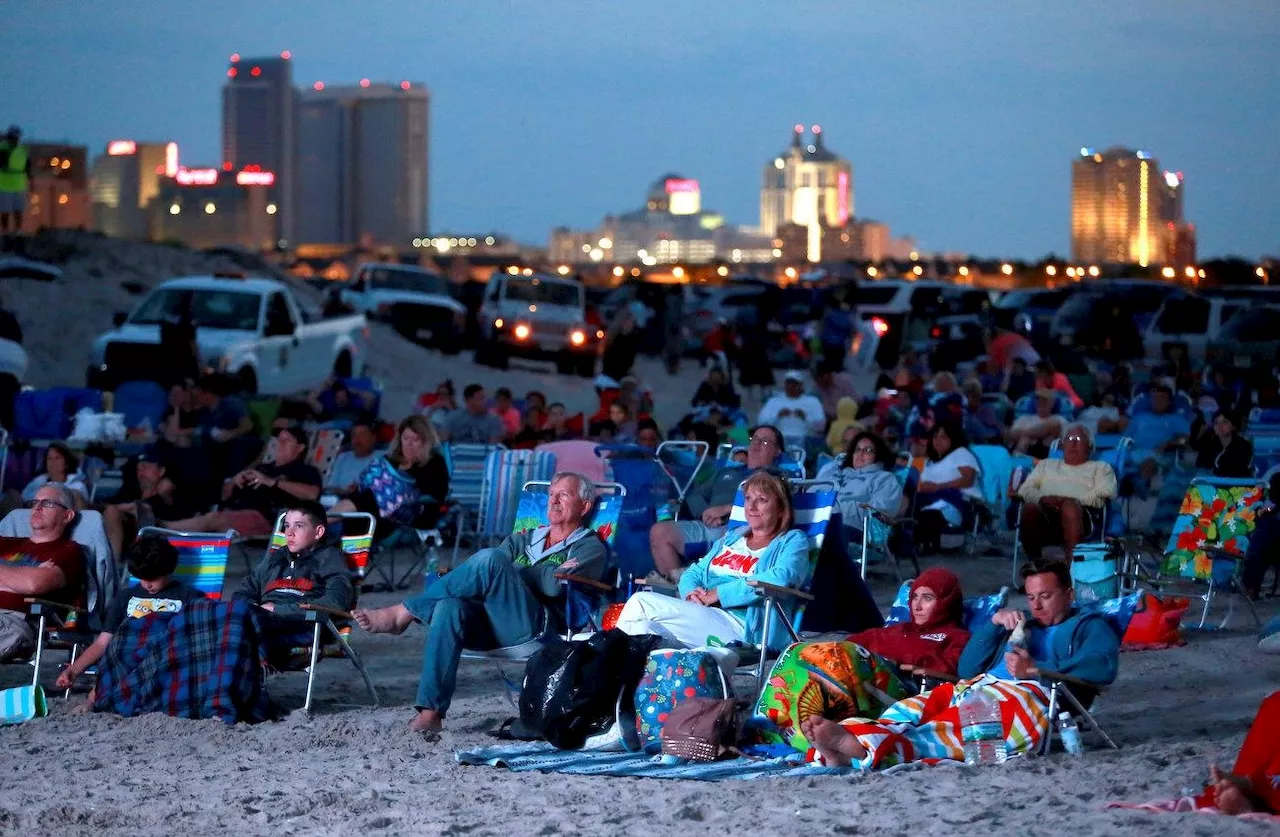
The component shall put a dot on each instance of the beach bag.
(700, 729)
(22, 703)
(396, 494)
(39, 414)
(1156, 623)
(672, 677)
(571, 689)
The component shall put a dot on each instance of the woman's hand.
(704, 597)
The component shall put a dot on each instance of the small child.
(152, 560)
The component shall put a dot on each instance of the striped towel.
(22, 704)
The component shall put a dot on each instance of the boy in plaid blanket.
(152, 561)
(306, 570)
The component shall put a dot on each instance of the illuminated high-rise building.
(362, 163)
(1124, 208)
(807, 185)
(124, 180)
(258, 124)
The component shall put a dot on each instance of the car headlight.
(577, 337)
(498, 323)
(522, 331)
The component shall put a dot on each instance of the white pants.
(681, 624)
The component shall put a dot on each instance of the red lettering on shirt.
(730, 562)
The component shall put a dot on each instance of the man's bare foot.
(837, 746)
(428, 721)
(384, 620)
(1229, 799)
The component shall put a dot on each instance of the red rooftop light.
(256, 71)
(364, 82)
(226, 166)
(404, 85)
(231, 73)
(319, 85)
(286, 55)
(235, 56)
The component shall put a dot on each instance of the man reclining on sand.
(498, 597)
(1058, 638)
(47, 564)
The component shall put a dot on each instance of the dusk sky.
(961, 118)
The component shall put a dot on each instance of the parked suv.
(413, 301)
(538, 317)
(1194, 323)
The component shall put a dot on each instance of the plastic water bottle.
(1069, 732)
(666, 511)
(981, 728)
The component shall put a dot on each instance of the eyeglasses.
(45, 505)
(762, 443)
(1076, 437)
(865, 449)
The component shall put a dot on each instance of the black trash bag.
(571, 690)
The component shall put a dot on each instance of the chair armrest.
(31, 600)
(569, 578)
(776, 590)
(1217, 552)
(1068, 679)
(328, 611)
(886, 519)
(929, 674)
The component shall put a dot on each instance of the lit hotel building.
(208, 207)
(124, 180)
(362, 164)
(1125, 210)
(258, 124)
(808, 186)
(59, 196)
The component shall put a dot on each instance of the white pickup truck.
(253, 329)
(415, 302)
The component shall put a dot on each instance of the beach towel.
(833, 679)
(205, 662)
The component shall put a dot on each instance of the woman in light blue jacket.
(864, 476)
(717, 605)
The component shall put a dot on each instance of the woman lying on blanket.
(1252, 786)
(862, 675)
(716, 604)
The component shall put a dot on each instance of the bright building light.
(271, 210)
(1190, 272)
(121, 148)
(1094, 271)
(417, 242)
(790, 272)
(605, 243)
(617, 271)
(174, 209)
(1260, 273)
(872, 272)
(677, 272)
(914, 256)
(586, 248)
(596, 254)
(1051, 270)
(777, 253)
(319, 85)
(513, 270)
(209, 208)
(1006, 269)
(364, 82)
(918, 270)
(1071, 271)
(722, 270)
(489, 240)
(964, 270)
(1168, 272)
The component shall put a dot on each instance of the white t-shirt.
(794, 429)
(737, 559)
(948, 468)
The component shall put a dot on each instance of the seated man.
(152, 561)
(796, 414)
(156, 498)
(1063, 498)
(304, 570)
(349, 464)
(253, 497)
(334, 402)
(472, 423)
(47, 565)
(1034, 433)
(710, 505)
(1157, 434)
(1057, 639)
(498, 597)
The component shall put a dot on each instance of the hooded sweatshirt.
(317, 575)
(935, 645)
(870, 484)
(846, 417)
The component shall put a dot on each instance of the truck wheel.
(248, 381)
(342, 366)
(587, 366)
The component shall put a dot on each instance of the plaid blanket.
(205, 662)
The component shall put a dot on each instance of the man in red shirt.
(47, 565)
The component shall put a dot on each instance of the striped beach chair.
(505, 473)
(466, 484)
(202, 558)
(331, 629)
(323, 449)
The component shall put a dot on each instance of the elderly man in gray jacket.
(498, 597)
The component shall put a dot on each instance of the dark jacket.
(318, 576)
(1084, 646)
(1235, 460)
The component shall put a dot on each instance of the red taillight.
(703, 313)
(935, 332)
(880, 326)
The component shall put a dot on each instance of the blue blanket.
(204, 662)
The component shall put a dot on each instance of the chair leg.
(1204, 614)
(311, 669)
(35, 661)
(355, 661)
(75, 652)
(1047, 744)
(1079, 707)
(764, 647)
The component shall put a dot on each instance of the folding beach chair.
(976, 608)
(466, 482)
(505, 471)
(790, 463)
(583, 597)
(62, 626)
(995, 468)
(1209, 540)
(649, 487)
(202, 558)
(682, 461)
(331, 629)
(323, 448)
(143, 404)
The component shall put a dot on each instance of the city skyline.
(960, 123)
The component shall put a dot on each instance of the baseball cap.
(794, 375)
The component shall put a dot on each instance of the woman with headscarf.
(862, 674)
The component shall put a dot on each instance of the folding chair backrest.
(1215, 512)
(202, 558)
(977, 609)
(791, 463)
(605, 514)
(466, 473)
(355, 539)
(1264, 421)
(505, 472)
(682, 460)
(995, 466)
(1117, 611)
(323, 450)
(577, 455)
(1026, 405)
(142, 403)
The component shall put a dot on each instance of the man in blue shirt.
(1059, 638)
(1157, 434)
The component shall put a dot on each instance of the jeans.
(482, 604)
